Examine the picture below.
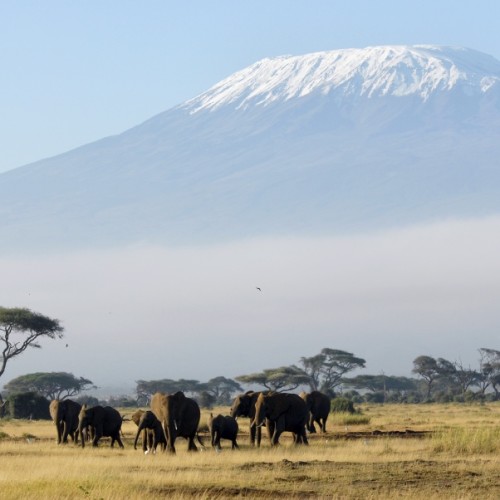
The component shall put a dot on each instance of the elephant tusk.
(254, 422)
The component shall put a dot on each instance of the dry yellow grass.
(460, 459)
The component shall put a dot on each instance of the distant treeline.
(436, 380)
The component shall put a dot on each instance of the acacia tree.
(21, 328)
(312, 367)
(54, 385)
(285, 378)
(381, 383)
(489, 370)
(221, 389)
(465, 377)
(427, 367)
(326, 370)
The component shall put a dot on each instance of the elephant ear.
(278, 404)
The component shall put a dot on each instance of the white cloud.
(153, 312)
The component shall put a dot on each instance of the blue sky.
(74, 72)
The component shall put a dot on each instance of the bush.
(206, 400)
(28, 405)
(122, 402)
(414, 397)
(375, 397)
(354, 396)
(342, 405)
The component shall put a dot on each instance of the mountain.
(324, 143)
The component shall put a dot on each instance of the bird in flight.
(258, 289)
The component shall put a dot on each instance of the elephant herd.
(175, 415)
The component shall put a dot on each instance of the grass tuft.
(459, 441)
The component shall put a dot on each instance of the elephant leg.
(152, 441)
(216, 440)
(312, 428)
(276, 437)
(269, 429)
(98, 431)
(301, 437)
(191, 445)
(65, 432)
(119, 440)
(253, 431)
(270, 426)
(320, 425)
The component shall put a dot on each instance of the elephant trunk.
(139, 430)
(56, 413)
(81, 433)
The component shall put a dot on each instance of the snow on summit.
(373, 71)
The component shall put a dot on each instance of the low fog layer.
(195, 312)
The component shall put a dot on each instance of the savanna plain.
(388, 451)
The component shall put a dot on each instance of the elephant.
(65, 413)
(104, 422)
(285, 412)
(318, 405)
(152, 431)
(223, 427)
(244, 406)
(179, 416)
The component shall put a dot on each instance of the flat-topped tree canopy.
(21, 328)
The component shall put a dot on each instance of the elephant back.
(229, 426)
(289, 406)
(321, 404)
(112, 420)
(189, 417)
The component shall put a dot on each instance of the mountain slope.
(324, 143)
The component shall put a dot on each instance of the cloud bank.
(148, 312)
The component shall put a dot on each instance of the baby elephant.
(223, 427)
(152, 431)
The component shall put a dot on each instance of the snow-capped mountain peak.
(373, 71)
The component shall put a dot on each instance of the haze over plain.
(386, 290)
